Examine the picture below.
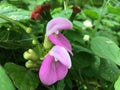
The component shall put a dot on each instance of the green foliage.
(61, 13)
(106, 48)
(117, 84)
(5, 82)
(86, 59)
(22, 78)
(13, 12)
(60, 85)
(95, 63)
(114, 10)
(11, 38)
(108, 70)
(91, 13)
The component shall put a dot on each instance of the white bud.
(86, 37)
(87, 23)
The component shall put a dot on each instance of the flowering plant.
(60, 45)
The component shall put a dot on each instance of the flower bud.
(34, 42)
(76, 9)
(46, 7)
(30, 64)
(30, 55)
(74, 13)
(38, 9)
(32, 15)
(47, 43)
(41, 12)
(86, 37)
(28, 30)
(87, 24)
(37, 16)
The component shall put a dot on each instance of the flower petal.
(47, 71)
(61, 40)
(51, 71)
(57, 24)
(61, 55)
(61, 70)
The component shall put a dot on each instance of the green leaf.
(76, 36)
(33, 3)
(13, 12)
(117, 84)
(14, 40)
(22, 78)
(78, 24)
(114, 10)
(108, 70)
(93, 69)
(110, 23)
(5, 82)
(77, 48)
(62, 13)
(82, 60)
(105, 48)
(91, 13)
(68, 81)
(60, 85)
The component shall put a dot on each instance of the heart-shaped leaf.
(22, 78)
(106, 48)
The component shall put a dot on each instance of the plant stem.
(65, 6)
(22, 26)
(72, 16)
(101, 14)
(13, 21)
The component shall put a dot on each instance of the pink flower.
(55, 65)
(53, 32)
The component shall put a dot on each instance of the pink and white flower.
(53, 32)
(55, 65)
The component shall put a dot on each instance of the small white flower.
(86, 37)
(87, 23)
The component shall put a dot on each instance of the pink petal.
(47, 72)
(61, 55)
(57, 24)
(61, 40)
(51, 71)
(61, 70)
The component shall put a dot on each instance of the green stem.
(38, 45)
(27, 29)
(13, 21)
(65, 6)
(66, 2)
(48, 15)
(111, 86)
(72, 16)
(100, 16)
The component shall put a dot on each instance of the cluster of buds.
(76, 10)
(32, 58)
(41, 12)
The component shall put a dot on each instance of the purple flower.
(55, 65)
(53, 32)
